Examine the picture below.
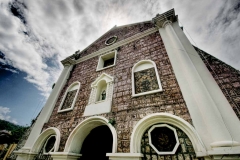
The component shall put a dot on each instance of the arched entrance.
(78, 136)
(98, 142)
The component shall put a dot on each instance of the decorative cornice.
(168, 16)
(159, 21)
(68, 61)
(115, 45)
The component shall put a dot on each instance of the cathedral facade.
(140, 92)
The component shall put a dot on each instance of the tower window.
(145, 78)
(107, 60)
(100, 100)
(69, 97)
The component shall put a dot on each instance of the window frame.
(139, 63)
(96, 106)
(65, 95)
(105, 57)
(45, 144)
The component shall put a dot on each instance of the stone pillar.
(206, 116)
(45, 113)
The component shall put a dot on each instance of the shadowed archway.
(98, 142)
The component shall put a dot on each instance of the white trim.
(64, 156)
(143, 124)
(47, 109)
(175, 134)
(78, 135)
(115, 39)
(206, 103)
(44, 148)
(42, 139)
(125, 156)
(70, 88)
(68, 60)
(103, 76)
(115, 45)
(149, 66)
(102, 59)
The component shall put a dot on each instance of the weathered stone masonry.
(127, 111)
(227, 77)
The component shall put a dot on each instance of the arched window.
(145, 78)
(69, 97)
(47, 142)
(101, 91)
(100, 100)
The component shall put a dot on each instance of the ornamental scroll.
(145, 80)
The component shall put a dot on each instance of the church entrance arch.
(97, 144)
(163, 119)
(159, 145)
(87, 128)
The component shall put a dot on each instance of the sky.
(36, 35)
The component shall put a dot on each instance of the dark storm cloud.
(226, 15)
(2, 56)
(5, 66)
(225, 29)
(17, 9)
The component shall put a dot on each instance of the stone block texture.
(126, 110)
(227, 77)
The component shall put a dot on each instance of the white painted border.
(133, 81)
(115, 39)
(111, 47)
(100, 57)
(78, 135)
(42, 139)
(103, 76)
(175, 134)
(44, 150)
(64, 97)
(143, 124)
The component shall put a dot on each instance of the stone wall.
(227, 77)
(121, 33)
(127, 111)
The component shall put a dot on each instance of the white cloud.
(4, 115)
(11, 70)
(56, 29)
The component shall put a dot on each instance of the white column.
(206, 117)
(46, 111)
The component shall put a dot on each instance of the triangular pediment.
(121, 32)
(103, 76)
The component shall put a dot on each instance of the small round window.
(49, 144)
(111, 40)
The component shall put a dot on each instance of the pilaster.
(46, 111)
(200, 91)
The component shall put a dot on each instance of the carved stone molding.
(161, 19)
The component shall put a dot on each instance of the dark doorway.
(97, 144)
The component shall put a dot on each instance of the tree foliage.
(16, 131)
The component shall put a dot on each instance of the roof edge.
(114, 27)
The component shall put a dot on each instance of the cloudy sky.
(36, 35)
